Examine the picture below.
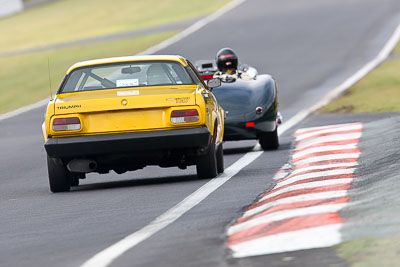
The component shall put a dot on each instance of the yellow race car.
(125, 113)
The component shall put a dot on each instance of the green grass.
(397, 50)
(24, 78)
(371, 252)
(379, 91)
(69, 20)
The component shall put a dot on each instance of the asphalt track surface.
(310, 46)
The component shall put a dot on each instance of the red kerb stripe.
(301, 192)
(296, 205)
(284, 226)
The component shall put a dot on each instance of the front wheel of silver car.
(59, 176)
(269, 140)
(206, 165)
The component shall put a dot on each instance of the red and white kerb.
(302, 210)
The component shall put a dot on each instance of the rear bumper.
(92, 145)
(239, 131)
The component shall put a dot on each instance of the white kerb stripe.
(308, 185)
(326, 235)
(280, 175)
(332, 130)
(328, 157)
(313, 175)
(306, 130)
(329, 138)
(284, 215)
(322, 149)
(303, 197)
(323, 167)
(317, 237)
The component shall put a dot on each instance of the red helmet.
(226, 59)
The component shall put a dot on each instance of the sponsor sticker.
(179, 100)
(127, 93)
(127, 82)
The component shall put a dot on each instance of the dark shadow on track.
(134, 183)
(246, 149)
(285, 146)
(238, 150)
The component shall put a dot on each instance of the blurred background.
(64, 32)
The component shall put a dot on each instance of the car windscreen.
(126, 74)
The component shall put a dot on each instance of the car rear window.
(126, 74)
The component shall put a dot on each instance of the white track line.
(304, 197)
(195, 27)
(284, 215)
(324, 236)
(308, 185)
(108, 255)
(19, 111)
(383, 54)
(105, 257)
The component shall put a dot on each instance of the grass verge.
(69, 20)
(379, 91)
(371, 252)
(24, 78)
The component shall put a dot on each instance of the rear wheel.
(220, 159)
(59, 176)
(74, 179)
(206, 165)
(269, 140)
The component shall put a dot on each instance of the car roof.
(101, 61)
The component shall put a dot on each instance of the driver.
(227, 64)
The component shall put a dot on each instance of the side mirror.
(213, 83)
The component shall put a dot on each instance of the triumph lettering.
(69, 107)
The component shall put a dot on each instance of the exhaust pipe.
(82, 165)
(279, 118)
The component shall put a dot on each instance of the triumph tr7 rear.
(123, 114)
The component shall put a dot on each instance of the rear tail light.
(207, 77)
(184, 116)
(66, 124)
(250, 124)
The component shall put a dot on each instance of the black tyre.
(206, 165)
(59, 176)
(74, 179)
(269, 140)
(220, 159)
